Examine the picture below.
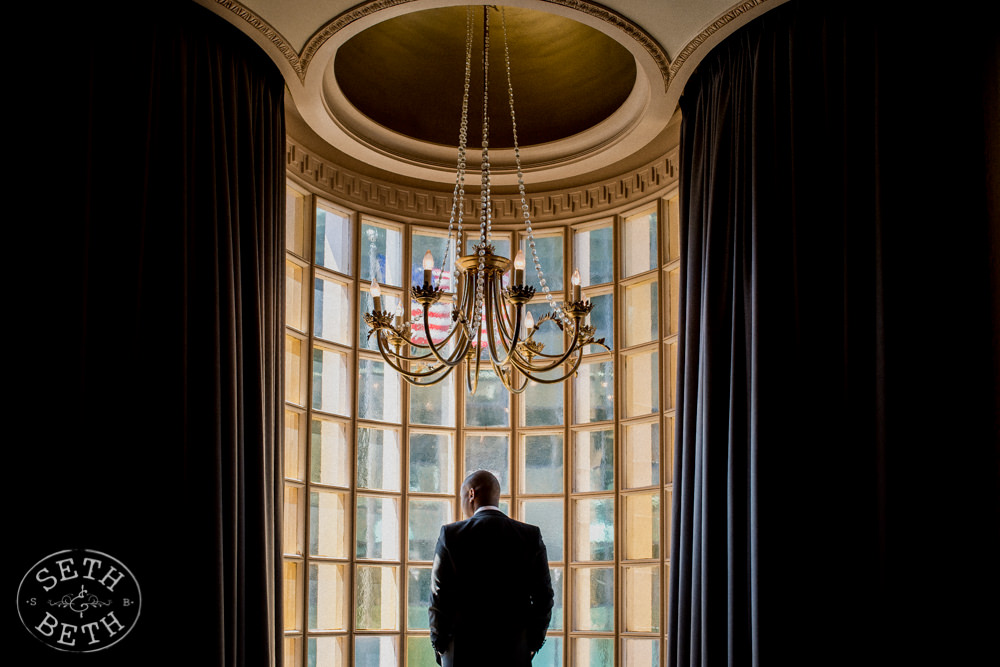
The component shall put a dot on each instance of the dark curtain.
(836, 466)
(146, 289)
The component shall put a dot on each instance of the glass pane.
(328, 596)
(594, 599)
(333, 240)
(327, 651)
(640, 243)
(489, 452)
(390, 304)
(593, 652)
(670, 376)
(433, 405)
(543, 463)
(594, 392)
(432, 462)
(295, 460)
(293, 296)
(550, 257)
(556, 575)
(379, 459)
(548, 516)
(376, 599)
(426, 518)
(332, 311)
(439, 318)
(501, 245)
(668, 449)
(642, 525)
(291, 589)
(329, 531)
(331, 385)
(439, 247)
(642, 312)
(379, 392)
(295, 222)
(376, 651)
(642, 598)
(593, 460)
(546, 332)
(668, 526)
(641, 652)
(542, 403)
(594, 529)
(292, 650)
(490, 405)
(592, 252)
(674, 235)
(293, 541)
(418, 597)
(329, 456)
(642, 455)
(642, 383)
(381, 249)
(420, 653)
(550, 655)
(602, 319)
(673, 302)
(377, 526)
(293, 370)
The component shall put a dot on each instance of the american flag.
(439, 315)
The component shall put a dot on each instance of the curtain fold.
(838, 369)
(157, 310)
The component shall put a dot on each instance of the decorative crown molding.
(734, 13)
(269, 33)
(432, 206)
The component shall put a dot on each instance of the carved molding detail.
(733, 13)
(435, 206)
(265, 29)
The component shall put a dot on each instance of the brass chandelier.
(489, 320)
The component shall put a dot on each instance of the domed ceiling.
(377, 86)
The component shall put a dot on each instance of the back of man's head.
(486, 488)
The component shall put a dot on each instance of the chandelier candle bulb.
(529, 324)
(376, 295)
(576, 284)
(428, 267)
(519, 268)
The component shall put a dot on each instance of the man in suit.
(491, 595)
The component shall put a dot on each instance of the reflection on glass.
(425, 520)
(294, 458)
(490, 405)
(674, 235)
(434, 405)
(642, 383)
(329, 462)
(293, 370)
(374, 651)
(642, 312)
(379, 392)
(642, 455)
(594, 529)
(432, 462)
(292, 650)
(376, 591)
(333, 240)
(670, 376)
(593, 652)
(594, 460)
(327, 651)
(418, 597)
(550, 256)
(381, 251)
(377, 525)
(674, 303)
(331, 386)
(293, 539)
(328, 595)
(642, 525)
(295, 222)
(543, 463)
(594, 392)
(594, 599)
(293, 295)
(490, 452)
(640, 652)
(592, 252)
(548, 516)
(331, 311)
(642, 598)
(291, 585)
(378, 459)
(602, 318)
(640, 243)
(420, 653)
(328, 524)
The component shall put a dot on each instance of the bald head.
(479, 489)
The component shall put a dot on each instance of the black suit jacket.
(491, 595)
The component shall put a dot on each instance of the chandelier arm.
(571, 371)
(508, 380)
(495, 327)
(389, 359)
(526, 367)
(430, 383)
(456, 357)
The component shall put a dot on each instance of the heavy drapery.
(149, 295)
(835, 494)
